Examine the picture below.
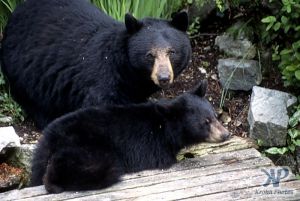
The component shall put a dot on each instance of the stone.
(22, 157)
(237, 48)
(238, 74)
(8, 139)
(6, 120)
(268, 116)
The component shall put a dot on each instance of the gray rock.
(238, 74)
(268, 116)
(6, 119)
(8, 139)
(237, 48)
(22, 157)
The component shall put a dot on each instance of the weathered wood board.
(224, 174)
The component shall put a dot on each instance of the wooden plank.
(186, 188)
(202, 149)
(217, 161)
(165, 186)
(204, 161)
(255, 193)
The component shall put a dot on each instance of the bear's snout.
(162, 72)
(218, 133)
(164, 77)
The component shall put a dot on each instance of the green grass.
(139, 8)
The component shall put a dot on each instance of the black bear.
(92, 147)
(61, 55)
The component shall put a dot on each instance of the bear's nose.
(225, 136)
(164, 80)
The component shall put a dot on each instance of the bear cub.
(61, 55)
(92, 147)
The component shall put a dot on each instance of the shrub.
(283, 31)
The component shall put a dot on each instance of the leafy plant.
(139, 8)
(8, 107)
(283, 30)
(193, 30)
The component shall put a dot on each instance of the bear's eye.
(171, 52)
(150, 55)
(207, 121)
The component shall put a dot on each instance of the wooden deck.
(223, 174)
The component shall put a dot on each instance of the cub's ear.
(180, 21)
(200, 90)
(170, 109)
(132, 24)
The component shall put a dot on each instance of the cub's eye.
(207, 121)
(171, 52)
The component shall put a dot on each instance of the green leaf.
(287, 28)
(292, 147)
(297, 142)
(269, 26)
(297, 28)
(288, 8)
(296, 45)
(297, 74)
(269, 19)
(295, 119)
(294, 133)
(291, 68)
(286, 51)
(259, 142)
(277, 25)
(276, 150)
(284, 19)
(297, 55)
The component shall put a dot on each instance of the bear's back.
(45, 49)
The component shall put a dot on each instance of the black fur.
(61, 55)
(91, 148)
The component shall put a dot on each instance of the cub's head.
(158, 49)
(195, 117)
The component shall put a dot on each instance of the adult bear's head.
(159, 49)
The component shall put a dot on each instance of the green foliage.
(139, 8)
(293, 140)
(6, 8)
(285, 26)
(193, 30)
(8, 107)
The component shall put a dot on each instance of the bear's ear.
(200, 90)
(180, 21)
(132, 24)
(170, 109)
